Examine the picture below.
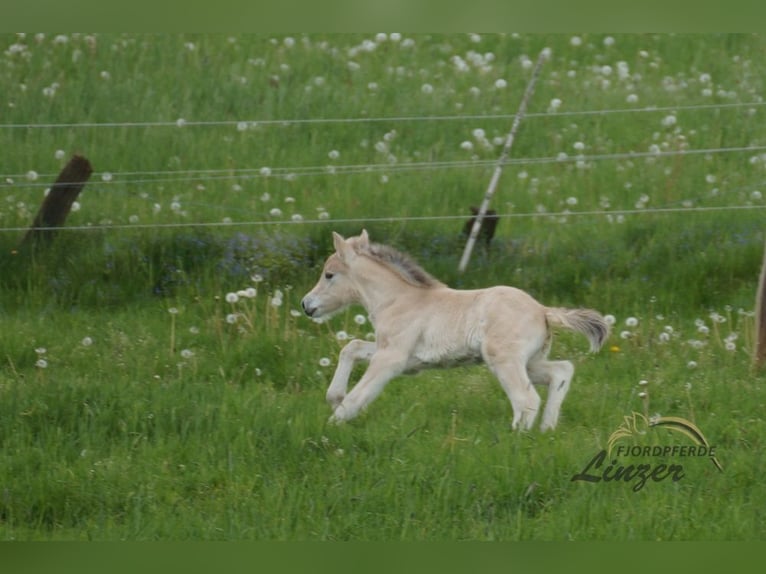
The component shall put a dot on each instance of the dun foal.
(420, 323)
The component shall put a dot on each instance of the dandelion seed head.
(669, 121)
(232, 297)
(86, 342)
(324, 362)
(631, 322)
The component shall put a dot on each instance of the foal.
(420, 323)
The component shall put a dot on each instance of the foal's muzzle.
(307, 308)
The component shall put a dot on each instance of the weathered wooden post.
(58, 203)
(760, 316)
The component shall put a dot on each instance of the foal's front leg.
(354, 351)
(383, 367)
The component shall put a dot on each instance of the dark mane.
(402, 264)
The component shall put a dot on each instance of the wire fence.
(245, 123)
(134, 178)
(157, 177)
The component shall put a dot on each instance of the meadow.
(158, 380)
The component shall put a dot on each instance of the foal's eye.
(328, 275)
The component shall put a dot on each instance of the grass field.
(158, 381)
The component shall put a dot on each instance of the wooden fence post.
(760, 316)
(58, 203)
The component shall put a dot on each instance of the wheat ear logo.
(638, 424)
(604, 467)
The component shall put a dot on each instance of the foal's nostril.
(306, 309)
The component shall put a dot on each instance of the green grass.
(120, 419)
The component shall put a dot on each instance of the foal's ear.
(342, 248)
(364, 239)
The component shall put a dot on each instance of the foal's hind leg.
(512, 374)
(557, 375)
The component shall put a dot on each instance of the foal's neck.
(379, 286)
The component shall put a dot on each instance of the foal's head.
(357, 264)
(335, 290)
